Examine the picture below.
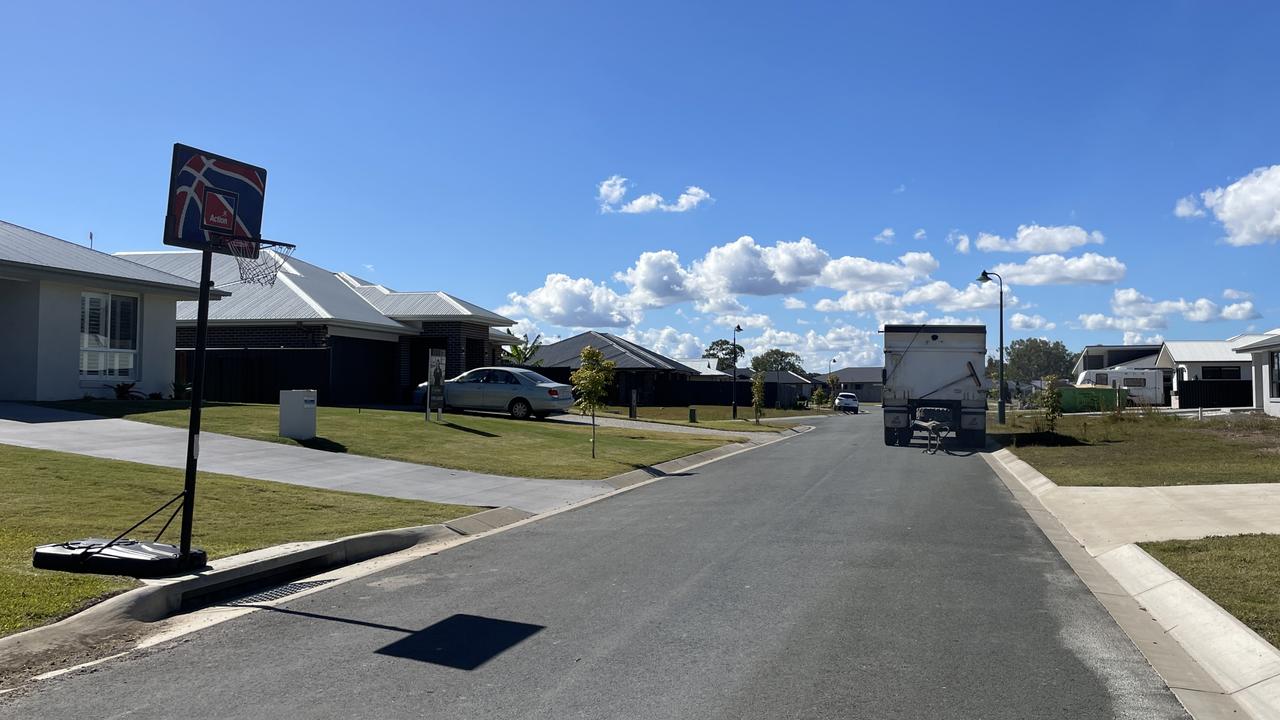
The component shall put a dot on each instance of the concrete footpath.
(1218, 667)
(1103, 518)
(51, 429)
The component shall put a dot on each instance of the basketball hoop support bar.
(197, 397)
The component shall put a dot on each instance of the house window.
(108, 336)
(1275, 376)
(1135, 382)
(1215, 372)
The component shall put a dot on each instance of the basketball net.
(259, 260)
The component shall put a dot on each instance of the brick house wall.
(258, 336)
(456, 336)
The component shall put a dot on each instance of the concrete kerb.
(1217, 666)
(125, 616)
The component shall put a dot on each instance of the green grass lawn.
(51, 496)
(1241, 573)
(719, 417)
(1145, 449)
(480, 443)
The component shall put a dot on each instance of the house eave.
(28, 271)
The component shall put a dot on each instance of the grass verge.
(52, 496)
(719, 417)
(1241, 573)
(1146, 449)
(479, 443)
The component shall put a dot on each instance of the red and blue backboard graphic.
(212, 199)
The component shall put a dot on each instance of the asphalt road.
(826, 576)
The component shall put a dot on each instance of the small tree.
(757, 394)
(591, 383)
(819, 398)
(1050, 400)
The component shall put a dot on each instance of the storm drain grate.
(278, 592)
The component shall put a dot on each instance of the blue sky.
(464, 146)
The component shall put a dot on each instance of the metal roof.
(33, 250)
(704, 367)
(859, 375)
(627, 355)
(426, 305)
(786, 377)
(302, 292)
(1180, 351)
(1270, 341)
(1145, 362)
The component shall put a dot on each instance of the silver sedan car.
(522, 393)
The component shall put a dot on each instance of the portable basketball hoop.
(259, 260)
(214, 206)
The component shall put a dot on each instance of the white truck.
(934, 372)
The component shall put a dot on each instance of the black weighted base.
(126, 557)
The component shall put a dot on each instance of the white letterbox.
(298, 414)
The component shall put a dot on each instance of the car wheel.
(855, 411)
(890, 436)
(520, 409)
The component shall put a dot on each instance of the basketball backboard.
(213, 201)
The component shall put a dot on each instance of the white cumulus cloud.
(1188, 207)
(1248, 208)
(1233, 294)
(657, 279)
(611, 192)
(1020, 321)
(1055, 269)
(668, 341)
(791, 303)
(1137, 338)
(573, 302)
(1040, 239)
(884, 237)
(858, 273)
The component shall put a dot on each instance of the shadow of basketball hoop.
(464, 642)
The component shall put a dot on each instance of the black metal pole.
(1000, 412)
(197, 394)
(735, 372)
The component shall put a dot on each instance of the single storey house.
(353, 341)
(655, 378)
(1265, 369)
(865, 382)
(1209, 373)
(81, 322)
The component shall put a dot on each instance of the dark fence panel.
(258, 375)
(1215, 393)
(363, 371)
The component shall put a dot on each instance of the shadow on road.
(465, 642)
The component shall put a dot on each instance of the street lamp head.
(984, 277)
(737, 328)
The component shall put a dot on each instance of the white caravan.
(1146, 387)
(939, 368)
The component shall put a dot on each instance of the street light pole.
(985, 277)
(736, 329)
